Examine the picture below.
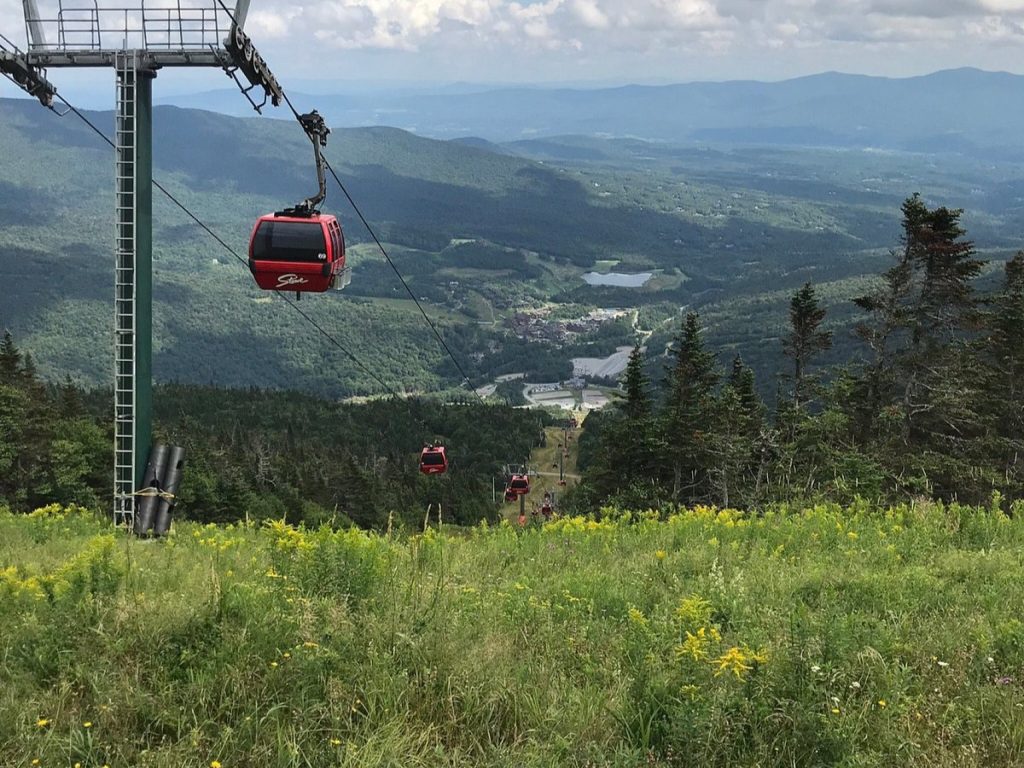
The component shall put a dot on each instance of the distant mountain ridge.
(960, 110)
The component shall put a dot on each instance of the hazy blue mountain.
(963, 110)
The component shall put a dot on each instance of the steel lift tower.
(136, 42)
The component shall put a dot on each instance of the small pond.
(618, 279)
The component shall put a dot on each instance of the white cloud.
(589, 14)
(638, 24)
(478, 38)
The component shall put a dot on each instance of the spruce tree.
(641, 439)
(806, 340)
(10, 361)
(743, 382)
(638, 402)
(917, 400)
(888, 309)
(1003, 352)
(69, 400)
(688, 419)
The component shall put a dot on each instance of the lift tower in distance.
(136, 42)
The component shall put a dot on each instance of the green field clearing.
(820, 636)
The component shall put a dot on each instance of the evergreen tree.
(731, 444)
(742, 380)
(946, 304)
(638, 403)
(739, 437)
(806, 340)
(1003, 352)
(888, 309)
(69, 400)
(923, 368)
(627, 456)
(10, 361)
(689, 414)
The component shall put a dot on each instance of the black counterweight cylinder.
(146, 506)
(173, 473)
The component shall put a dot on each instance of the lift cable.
(433, 327)
(234, 253)
(323, 332)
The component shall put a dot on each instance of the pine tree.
(688, 419)
(888, 308)
(806, 340)
(742, 380)
(923, 370)
(946, 304)
(638, 403)
(10, 361)
(69, 400)
(1003, 352)
(626, 457)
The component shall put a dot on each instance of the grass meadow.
(819, 636)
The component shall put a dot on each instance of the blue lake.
(618, 279)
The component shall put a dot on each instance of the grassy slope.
(544, 459)
(822, 637)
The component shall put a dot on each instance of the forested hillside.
(932, 408)
(481, 235)
(254, 454)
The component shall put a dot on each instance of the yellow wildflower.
(42, 722)
(835, 710)
(881, 703)
(87, 724)
(695, 645)
(636, 616)
(694, 610)
(738, 661)
(215, 764)
(661, 554)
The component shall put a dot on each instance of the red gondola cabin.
(434, 460)
(297, 253)
(519, 484)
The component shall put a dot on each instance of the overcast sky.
(618, 41)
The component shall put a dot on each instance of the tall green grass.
(803, 637)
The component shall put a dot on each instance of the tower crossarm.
(30, 78)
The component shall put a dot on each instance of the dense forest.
(926, 401)
(259, 454)
(932, 406)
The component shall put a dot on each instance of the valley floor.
(820, 636)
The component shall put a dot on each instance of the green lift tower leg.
(133, 289)
(144, 273)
